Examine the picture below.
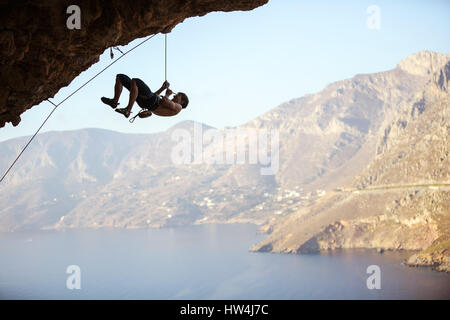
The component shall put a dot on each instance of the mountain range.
(362, 164)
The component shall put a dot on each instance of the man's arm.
(169, 104)
(164, 86)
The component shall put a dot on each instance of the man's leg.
(124, 81)
(121, 81)
(146, 98)
(117, 89)
(134, 92)
(139, 92)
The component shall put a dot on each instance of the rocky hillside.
(97, 178)
(39, 54)
(333, 133)
(400, 199)
(362, 164)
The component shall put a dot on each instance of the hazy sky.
(236, 66)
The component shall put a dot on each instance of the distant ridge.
(387, 128)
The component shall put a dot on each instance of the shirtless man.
(146, 99)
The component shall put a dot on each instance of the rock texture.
(39, 54)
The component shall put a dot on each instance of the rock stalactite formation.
(39, 54)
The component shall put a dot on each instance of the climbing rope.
(70, 95)
(165, 57)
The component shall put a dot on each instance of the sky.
(236, 66)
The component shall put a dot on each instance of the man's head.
(182, 99)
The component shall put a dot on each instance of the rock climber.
(152, 102)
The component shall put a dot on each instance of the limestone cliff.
(39, 54)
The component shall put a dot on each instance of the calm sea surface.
(200, 262)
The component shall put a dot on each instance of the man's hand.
(168, 92)
(165, 85)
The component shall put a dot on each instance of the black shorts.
(146, 98)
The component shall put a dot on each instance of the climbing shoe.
(109, 102)
(124, 111)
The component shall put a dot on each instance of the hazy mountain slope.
(365, 132)
(97, 178)
(58, 168)
(328, 137)
(400, 201)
